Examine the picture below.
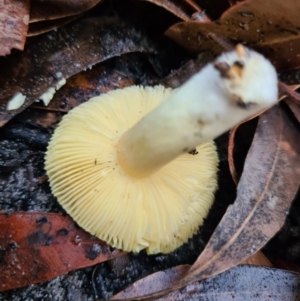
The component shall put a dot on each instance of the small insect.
(193, 152)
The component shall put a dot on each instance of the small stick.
(200, 14)
(228, 46)
(285, 89)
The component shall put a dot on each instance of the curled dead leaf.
(244, 282)
(36, 247)
(56, 9)
(267, 187)
(37, 28)
(270, 26)
(84, 85)
(295, 108)
(153, 283)
(234, 174)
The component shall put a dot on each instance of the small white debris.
(26, 19)
(16, 102)
(47, 96)
(253, 249)
(58, 74)
(60, 84)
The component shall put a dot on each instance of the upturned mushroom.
(120, 165)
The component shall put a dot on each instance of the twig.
(285, 89)
(227, 45)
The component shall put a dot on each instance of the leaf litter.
(264, 194)
(269, 26)
(37, 247)
(248, 283)
(286, 95)
(54, 57)
(38, 28)
(104, 77)
(57, 9)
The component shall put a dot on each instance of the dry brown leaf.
(153, 283)
(36, 247)
(56, 9)
(84, 85)
(194, 5)
(14, 18)
(270, 26)
(267, 187)
(243, 282)
(60, 54)
(37, 28)
(232, 169)
(295, 108)
(258, 259)
(188, 10)
(239, 142)
(175, 9)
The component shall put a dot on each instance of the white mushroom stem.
(236, 86)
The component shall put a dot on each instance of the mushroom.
(119, 164)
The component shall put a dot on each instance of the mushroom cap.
(157, 213)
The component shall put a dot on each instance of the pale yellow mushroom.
(119, 163)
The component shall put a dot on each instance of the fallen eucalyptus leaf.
(53, 57)
(295, 108)
(247, 283)
(84, 85)
(153, 283)
(36, 247)
(37, 28)
(267, 187)
(165, 279)
(258, 259)
(56, 9)
(269, 26)
(169, 5)
(14, 18)
(190, 10)
(239, 142)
